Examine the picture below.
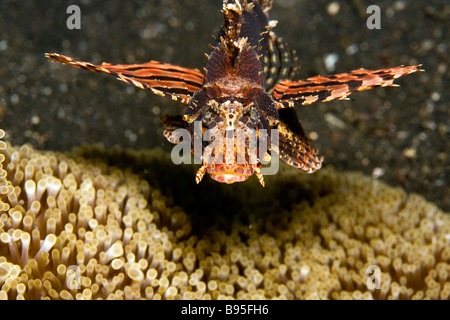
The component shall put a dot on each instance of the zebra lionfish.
(245, 86)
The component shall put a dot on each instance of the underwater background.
(87, 185)
(398, 135)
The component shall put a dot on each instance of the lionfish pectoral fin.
(294, 147)
(198, 104)
(163, 79)
(336, 87)
(171, 124)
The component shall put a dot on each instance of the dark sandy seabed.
(398, 135)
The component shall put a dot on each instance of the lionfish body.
(243, 95)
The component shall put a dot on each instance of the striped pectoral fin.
(335, 87)
(172, 123)
(163, 79)
(294, 147)
(298, 153)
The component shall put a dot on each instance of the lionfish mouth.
(230, 173)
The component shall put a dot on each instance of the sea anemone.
(73, 228)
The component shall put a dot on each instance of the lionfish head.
(231, 141)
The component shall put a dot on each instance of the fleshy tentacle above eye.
(163, 79)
